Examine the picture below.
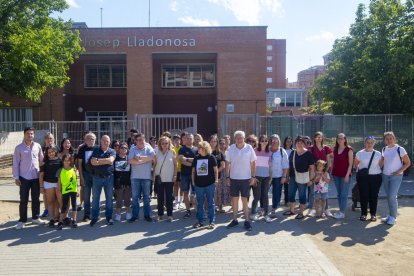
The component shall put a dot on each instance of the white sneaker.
(180, 206)
(19, 225)
(385, 219)
(339, 215)
(256, 217)
(268, 219)
(391, 220)
(38, 221)
(328, 213)
(311, 213)
(128, 216)
(117, 217)
(175, 207)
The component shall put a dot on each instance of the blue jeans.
(87, 192)
(107, 183)
(301, 188)
(140, 186)
(311, 194)
(276, 191)
(343, 189)
(208, 192)
(391, 185)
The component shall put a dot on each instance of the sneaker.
(19, 225)
(117, 217)
(272, 214)
(52, 223)
(187, 214)
(74, 224)
(128, 216)
(391, 220)
(60, 226)
(339, 215)
(79, 209)
(247, 226)
(93, 222)
(67, 221)
(131, 220)
(148, 218)
(328, 213)
(268, 219)
(38, 221)
(385, 219)
(45, 213)
(233, 223)
(180, 206)
(170, 219)
(109, 222)
(311, 213)
(175, 207)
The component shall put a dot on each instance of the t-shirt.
(279, 162)
(240, 161)
(187, 153)
(302, 162)
(176, 149)
(392, 160)
(103, 170)
(220, 157)
(50, 168)
(364, 156)
(320, 154)
(204, 170)
(122, 172)
(262, 163)
(68, 180)
(322, 186)
(141, 171)
(84, 154)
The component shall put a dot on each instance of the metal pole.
(149, 13)
(101, 17)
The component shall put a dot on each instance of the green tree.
(372, 69)
(36, 49)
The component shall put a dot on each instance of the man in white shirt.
(241, 173)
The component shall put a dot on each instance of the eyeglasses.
(222, 143)
(124, 148)
(166, 143)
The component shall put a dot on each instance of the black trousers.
(29, 186)
(369, 187)
(165, 196)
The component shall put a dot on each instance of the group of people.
(206, 175)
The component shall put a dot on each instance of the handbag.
(301, 178)
(365, 171)
(157, 179)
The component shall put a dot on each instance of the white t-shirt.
(240, 160)
(279, 163)
(364, 156)
(392, 161)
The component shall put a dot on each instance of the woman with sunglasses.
(122, 182)
(341, 172)
(115, 145)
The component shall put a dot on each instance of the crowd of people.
(202, 177)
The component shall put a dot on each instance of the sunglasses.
(124, 148)
(263, 141)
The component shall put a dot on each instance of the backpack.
(406, 171)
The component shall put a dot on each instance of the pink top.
(26, 160)
(341, 162)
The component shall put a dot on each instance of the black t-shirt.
(302, 162)
(204, 170)
(84, 153)
(103, 170)
(122, 172)
(50, 168)
(187, 153)
(220, 157)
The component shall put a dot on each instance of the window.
(269, 47)
(269, 69)
(15, 119)
(105, 75)
(188, 75)
(269, 58)
(269, 80)
(288, 98)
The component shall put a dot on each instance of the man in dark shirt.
(102, 160)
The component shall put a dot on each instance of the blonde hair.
(389, 133)
(164, 138)
(323, 163)
(204, 145)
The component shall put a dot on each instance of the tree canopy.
(372, 69)
(36, 49)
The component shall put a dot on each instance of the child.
(322, 181)
(67, 187)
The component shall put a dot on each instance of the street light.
(277, 102)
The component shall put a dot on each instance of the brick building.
(208, 71)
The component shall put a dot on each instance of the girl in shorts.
(322, 181)
(67, 187)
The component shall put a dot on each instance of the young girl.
(322, 181)
(67, 187)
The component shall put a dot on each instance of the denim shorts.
(185, 183)
(321, 195)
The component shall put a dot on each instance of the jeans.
(311, 194)
(276, 191)
(260, 194)
(33, 187)
(107, 183)
(140, 186)
(165, 196)
(208, 192)
(369, 187)
(391, 186)
(301, 188)
(343, 189)
(87, 191)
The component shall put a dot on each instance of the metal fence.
(156, 124)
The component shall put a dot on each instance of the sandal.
(363, 218)
(198, 225)
(211, 226)
(373, 218)
(323, 215)
(299, 216)
(288, 213)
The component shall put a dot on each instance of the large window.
(15, 119)
(288, 98)
(188, 75)
(105, 75)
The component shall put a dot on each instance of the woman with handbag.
(302, 173)
(369, 176)
(165, 170)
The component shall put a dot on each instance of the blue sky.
(309, 26)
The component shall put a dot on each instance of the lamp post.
(277, 102)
